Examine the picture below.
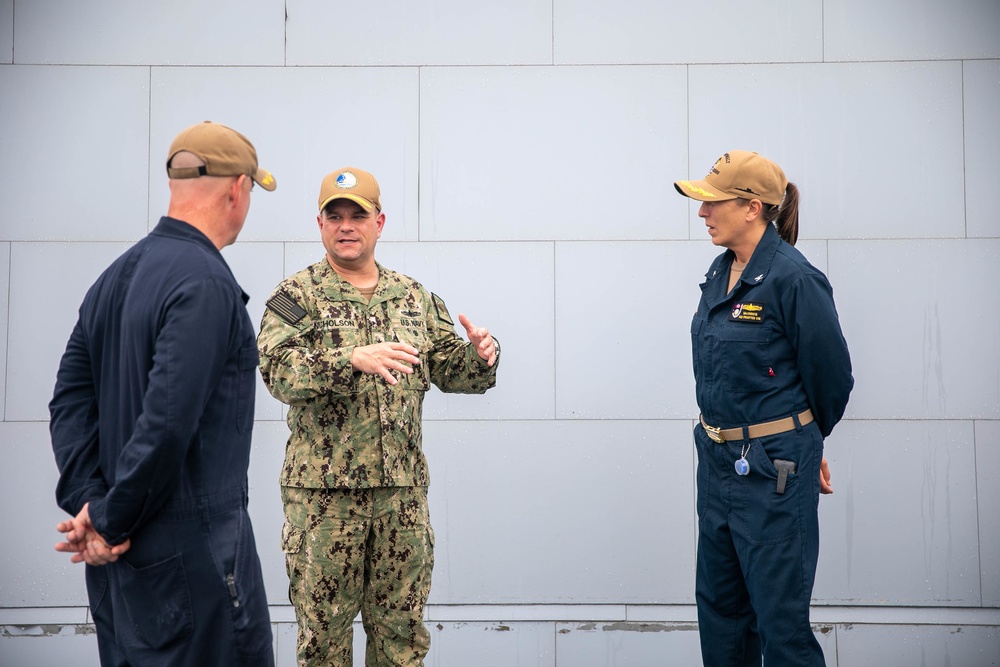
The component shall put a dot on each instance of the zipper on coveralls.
(231, 582)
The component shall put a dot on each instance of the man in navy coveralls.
(150, 423)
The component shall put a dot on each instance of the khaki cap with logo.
(224, 151)
(738, 174)
(350, 183)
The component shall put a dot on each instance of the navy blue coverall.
(757, 549)
(150, 422)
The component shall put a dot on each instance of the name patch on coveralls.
(747, 312)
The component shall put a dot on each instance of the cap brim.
(702, 191)
(360, 201)
(264, 179)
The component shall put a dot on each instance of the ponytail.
(786, 216)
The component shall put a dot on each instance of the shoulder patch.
(285, 307)
(442, 310)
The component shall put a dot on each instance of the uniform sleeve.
(295, 365)
(73, 427)
(822, 357)
(455, 366)
(190, 353)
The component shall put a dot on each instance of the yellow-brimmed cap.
(350, 183)
(738, 174)
(224, 151)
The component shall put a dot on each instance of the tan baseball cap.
(350, 183)
(738, 174)
(224, 151)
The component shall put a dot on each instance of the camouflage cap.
(224, 151)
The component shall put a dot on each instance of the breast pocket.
(745, 357)
(332, 335)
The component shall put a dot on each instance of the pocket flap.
(292, 538)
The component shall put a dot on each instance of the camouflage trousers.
(367, 550)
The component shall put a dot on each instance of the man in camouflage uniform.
(352, 347)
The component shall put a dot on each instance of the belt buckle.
(713, 432)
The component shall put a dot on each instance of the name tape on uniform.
(747, 312)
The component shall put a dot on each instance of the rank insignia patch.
(284, 307)
(747, 312)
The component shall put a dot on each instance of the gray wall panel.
(121, 32)
(546, 153)
(73, 164)
(560, 512)
(623, 315)
(515, 305)
(36, 646)
(266, 458)
(602, 644)
(981, 84)
(43, 310)
(257, 268)
(910, 29)
(34, 573)
(905, 646)
(859, 140)
(4, 309)
(922, 342)
(304, 123)
(987, 435)
(6, 31)
(300, 255)
(437, 32)
(492, 644)
(901, 527)
(671, 31)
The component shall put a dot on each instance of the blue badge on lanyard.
(742, 467)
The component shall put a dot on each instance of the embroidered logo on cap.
(694, 188)
(347, 180)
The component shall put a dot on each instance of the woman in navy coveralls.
(773, 375)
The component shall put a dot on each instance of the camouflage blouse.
(350, 429)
